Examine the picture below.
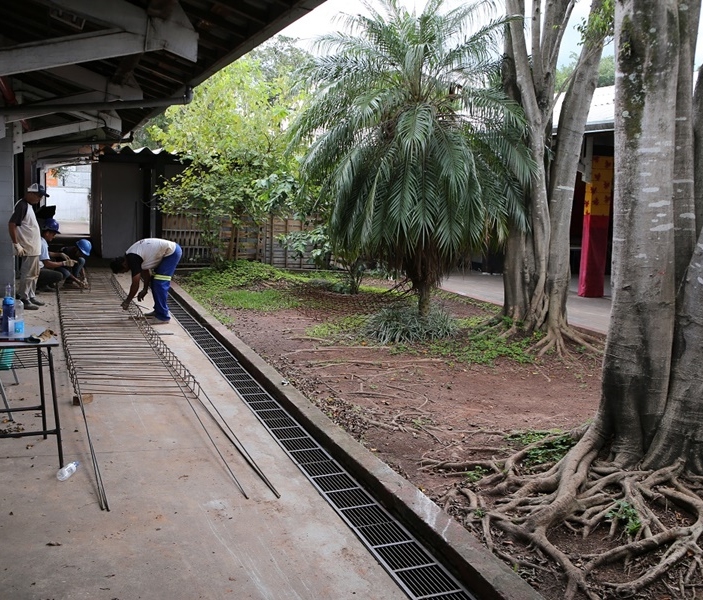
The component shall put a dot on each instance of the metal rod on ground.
(178, 371)
(102, 496)
(236, 441)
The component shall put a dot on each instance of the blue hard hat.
(51, 225)
(84, 246)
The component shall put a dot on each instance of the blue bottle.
(8, 310)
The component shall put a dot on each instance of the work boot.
(29, 306)
(156, 321)
(37, 302)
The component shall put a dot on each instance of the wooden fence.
(250, 241)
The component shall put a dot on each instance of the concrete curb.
(474, 566)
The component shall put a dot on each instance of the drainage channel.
(417, 573)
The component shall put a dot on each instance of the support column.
(7, 206)
(596, 220)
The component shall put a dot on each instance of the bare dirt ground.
(413, 408)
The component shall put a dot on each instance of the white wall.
(72, 204)
(72, 195)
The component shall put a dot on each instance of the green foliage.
(476, 474)
(550, 451)
(230, 285)
(231, 140)
(322, 252)
(484, 349)
(402, 324)
(627, 515)
(278, 58)
(606, 72)
(347, 328)
(600, 24)
(419, 153)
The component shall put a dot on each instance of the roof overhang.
(76, 74)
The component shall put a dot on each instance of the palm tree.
(419, 150)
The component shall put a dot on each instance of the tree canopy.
(606, 72)
(413, 138)
(231, 139)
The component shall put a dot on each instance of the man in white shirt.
(161, 256)
(26, 242)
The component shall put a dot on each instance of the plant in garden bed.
(402, 323)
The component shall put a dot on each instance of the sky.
(322, 20)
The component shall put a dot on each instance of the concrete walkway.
(178, 527)
(588, 313)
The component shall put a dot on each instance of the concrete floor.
(587, 313)
(178, 526)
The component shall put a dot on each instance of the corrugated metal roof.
(601, 116)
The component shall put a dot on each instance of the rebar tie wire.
(183, 375)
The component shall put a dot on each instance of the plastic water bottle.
(19, 320)
(67, 471)
(8, 310)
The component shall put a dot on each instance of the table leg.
(42, 399)
(56, 405)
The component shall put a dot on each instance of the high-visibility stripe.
(162, 277)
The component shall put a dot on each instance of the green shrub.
(235, 274)
(403, 324)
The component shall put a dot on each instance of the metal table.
(20, 344)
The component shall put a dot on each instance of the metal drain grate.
(414, 569)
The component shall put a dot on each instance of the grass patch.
(483, 349)
(236, 274)
(549, 452)
(239, 284)
(262, 300)
(347, 329)
(255, 286)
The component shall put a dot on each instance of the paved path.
(588, 313)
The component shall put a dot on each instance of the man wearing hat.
(54, 265)
(26, 242)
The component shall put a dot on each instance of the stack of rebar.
(112, 351)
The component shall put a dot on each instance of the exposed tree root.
(556, 337)
(653, 519)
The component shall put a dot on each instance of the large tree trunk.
(537, 262)
(639, 346)
(569, 140)
(677, 436)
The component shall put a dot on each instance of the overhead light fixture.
(67, 18)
